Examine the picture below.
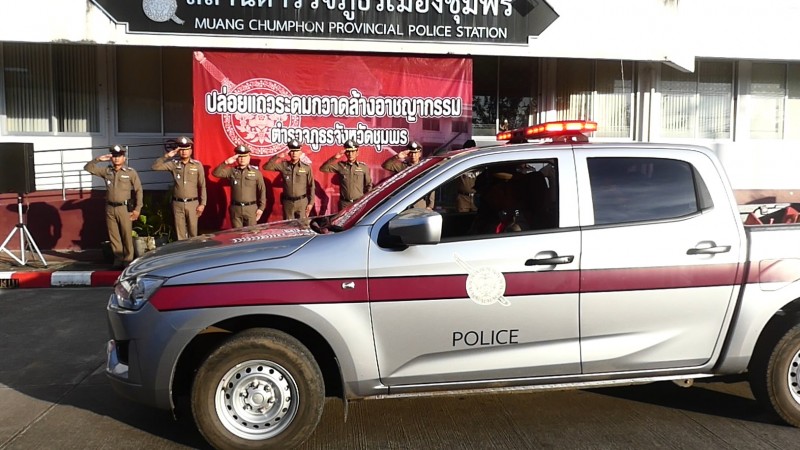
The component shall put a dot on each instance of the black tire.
(775, 377)
(260, 389)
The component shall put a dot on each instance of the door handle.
(550, 261)
(709, 250)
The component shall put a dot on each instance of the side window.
(644, 189)
(501, 198)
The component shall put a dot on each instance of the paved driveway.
(53, 394)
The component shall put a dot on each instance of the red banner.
(263, 100)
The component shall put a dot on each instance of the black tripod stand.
(26, 242)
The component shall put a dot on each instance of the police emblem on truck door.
(485, 285)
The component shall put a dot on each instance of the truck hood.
(223, 248)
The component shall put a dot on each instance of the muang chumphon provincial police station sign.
(471, 21)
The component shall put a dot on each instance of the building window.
(391, 122)
(613, 96)
(177, 92)
(484, 95)
(460, 126)
(793, 103)
(503, 89)
(574, 89)
(601, 91)
(698, 104)
(517, 86)
(50, 88)
(430, 124)
(156, 100)
(767, 95)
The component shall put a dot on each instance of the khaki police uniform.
(188, 192)
(394, 165)
(119, 184)
(465, 200)
(298, 186)
(355, 179)
(248, 192)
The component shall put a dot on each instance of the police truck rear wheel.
(260, 389)
(775, 380)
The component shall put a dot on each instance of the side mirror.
(417, 227)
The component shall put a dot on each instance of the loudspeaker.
(17, 173)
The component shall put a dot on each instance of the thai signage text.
(474, 21)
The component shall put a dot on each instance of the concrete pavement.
(59, 269)
(54, 395)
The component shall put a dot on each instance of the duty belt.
(115, 204)
(184, 200)
(353, 200)
(293, 199)
(244, 203)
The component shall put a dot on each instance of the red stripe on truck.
(293, 292)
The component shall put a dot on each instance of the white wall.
(743, 29)
(757, 164)
(654, 30)
(616, 29)
(641, 30)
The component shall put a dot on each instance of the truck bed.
(770, 214)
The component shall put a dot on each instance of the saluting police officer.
(120, 181)
(465, 183)
(355, 180)
(298, 181)
(248, 191)
(189, 190)
(407, 158)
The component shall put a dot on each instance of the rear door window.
(644, 189)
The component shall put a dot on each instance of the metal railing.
(67, 174)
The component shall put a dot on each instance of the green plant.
(155, 217)
(144, 227)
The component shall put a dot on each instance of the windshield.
(348, 217)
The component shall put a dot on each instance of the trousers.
(118, 223)
(185, 214)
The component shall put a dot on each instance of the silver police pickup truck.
(570, 264)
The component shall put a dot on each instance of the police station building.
(80, 75)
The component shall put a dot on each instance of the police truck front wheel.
(260, 389)
(775, 377)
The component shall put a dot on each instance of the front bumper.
(118, 375)
(143, 352)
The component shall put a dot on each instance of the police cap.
(117, 150)
(184, 142)
(350, 146)
(414, 147)
(294, 144)
(241, 150)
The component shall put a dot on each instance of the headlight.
(133, 293)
